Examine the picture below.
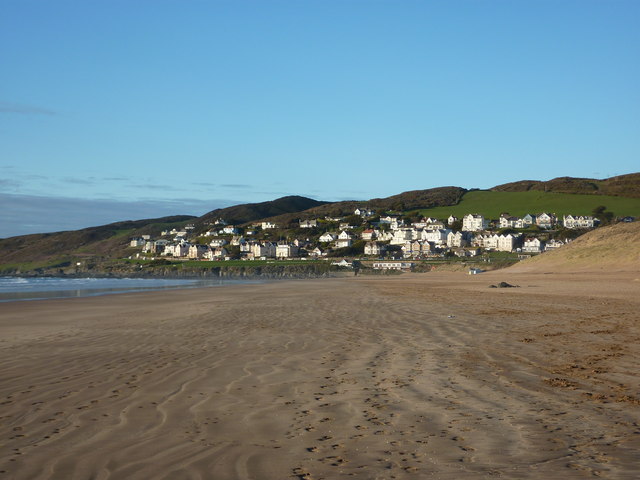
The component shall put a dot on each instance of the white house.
(391, 265)
(451, 220)
(437, 225)
(327, 237)
(216, 253)
(265, 249)
(579, 221)
(501, 243)
(156, 246)
(439, 237)
(363, 212)
(176, 250)
(485, 241)
(268, 225)
(466, 252)
(403, 235)
(528, 220)
(369, 234)
(344, 240)
(373, 248)
(553, 244)
(507, 243)
(546, 220)
(197, 251)
(137, 242)
(393, 222)
(384, 236)
(308, 223)
(316, 252)
(507, 221)
(343, 263)
(457, 239)
(179, 236)
(474, 223)
(286, 250)
(218, 242)
(229, 230)
(533, 245)
(416, 248)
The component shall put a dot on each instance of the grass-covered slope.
(28, 252)
(492, 203)
(622, 185)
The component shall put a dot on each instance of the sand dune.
(431, 375)
(613, 248)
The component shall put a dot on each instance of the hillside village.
(387, 238)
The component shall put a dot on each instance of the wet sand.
(416, 376)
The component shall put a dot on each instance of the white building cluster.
(424, 238)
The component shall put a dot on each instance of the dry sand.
(417, 376)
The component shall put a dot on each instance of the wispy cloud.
(79, 181)
(8, 107)
(205, 184)
(25, 214)
(155, 187)
(236, 186)
(8, 184)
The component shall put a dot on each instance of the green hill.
(492, 203)
(622, 185)
(29, 252)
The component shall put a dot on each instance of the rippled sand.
(433, 375)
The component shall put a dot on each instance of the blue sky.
(113, 110)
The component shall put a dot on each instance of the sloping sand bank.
(433, 375)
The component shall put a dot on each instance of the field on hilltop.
(491, 204)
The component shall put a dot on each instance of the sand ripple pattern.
(370, 379)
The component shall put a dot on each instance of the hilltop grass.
(491, 204)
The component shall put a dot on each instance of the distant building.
(286, 250)
(393, 265)
(474, 223)
(344, 240)
(579, 221)
(533, 245)
(308, 223)
(546, 220)
(373, 248)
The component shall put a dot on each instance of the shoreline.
(368, 377)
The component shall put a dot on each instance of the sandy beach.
(414, 376)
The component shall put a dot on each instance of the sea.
(39, 288)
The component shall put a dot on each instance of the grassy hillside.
(491, 204)
(29, 252)
(622, 185)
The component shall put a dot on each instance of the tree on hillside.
(603, 215)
